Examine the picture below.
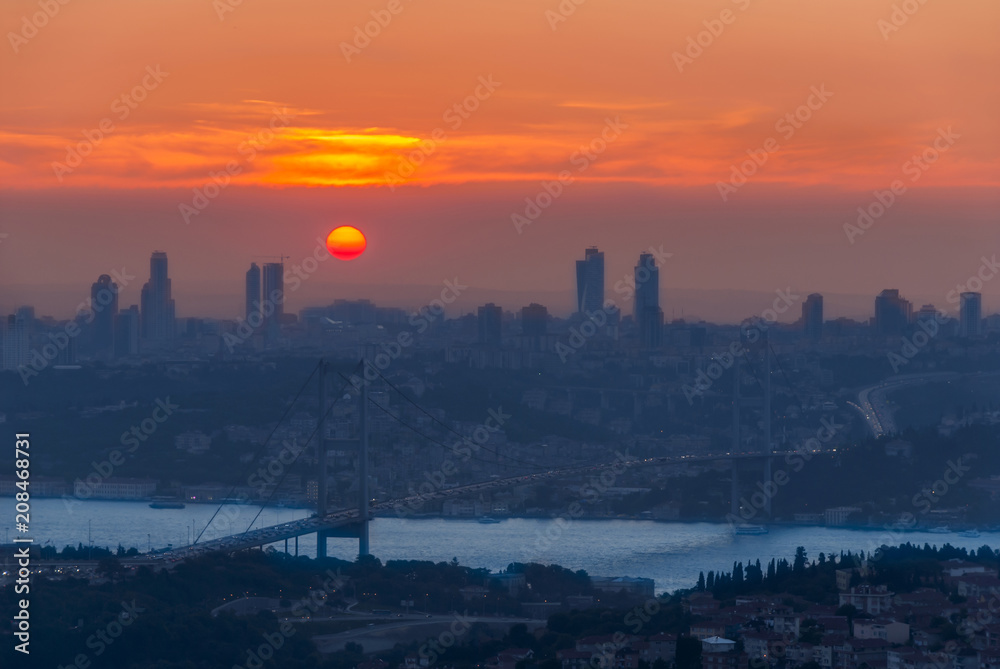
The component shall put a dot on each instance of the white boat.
(751, 529)
(487, 520)
(971, 534)
(944, 529)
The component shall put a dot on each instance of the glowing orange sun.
(346, 242)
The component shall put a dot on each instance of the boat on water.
(971, 534)
(944, 529)
(488, 520)
(166, 505)
(751, 529)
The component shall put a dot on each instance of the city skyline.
(656, 182)
(512, 334)
(111, 332)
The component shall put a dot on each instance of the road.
(276, 533)
(377, 637)
(874, 407)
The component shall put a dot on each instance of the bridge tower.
(360, 529)
(735, 488)
(763, 345)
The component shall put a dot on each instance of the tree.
(110, 567)
(799, 565)
(849, 610)
(701, 581)
(810, 632)
(688, 653)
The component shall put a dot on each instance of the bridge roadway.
(347, 517)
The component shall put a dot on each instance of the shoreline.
(952, 529)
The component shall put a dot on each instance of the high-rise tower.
(590, 281)
(156, 303)
(104, 304)
(252, 292)
(647, 312)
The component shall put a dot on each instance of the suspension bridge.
(354, 522)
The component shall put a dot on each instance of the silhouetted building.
(970, 316)
(274, 285)
(104, 304)
(157, 305)
(928, 312)
(17, 338)
(490, 321)
(892, 313)
(253, 295)
(127, 332)
(590, 281)
(355, 312)
(648, 314)
(534, 320)
(812, 317)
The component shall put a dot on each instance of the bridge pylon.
(739, 401)
(360, 529)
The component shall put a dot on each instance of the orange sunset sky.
(310, 128)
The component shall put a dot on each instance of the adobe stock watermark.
(31, 25)
(605, 654)
(433, 650)
(462, 449)
(912, 345)
(899, 17)
(292, 280)
(562, 12)
(988, 269)
(102, 639)
(914, 168)
(274, 641)
(929, 328)
(625, 288)
(223, 7)
(259, 480)
(420, 321)
(706, 378)
(454, 116)
(39, 359)
(786, 126)
(130, 440)
(581, 159)
(796, 461)
(363, 35)
(270, 475)
(219, 181)
(924, 501)
(697, 44)
(122, 106)
(590, 492)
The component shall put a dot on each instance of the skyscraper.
(590, 281)
(648, 314)
(157, 306)
(892, 313)
(970, 315)
(104, 304)
(534, 320)
(812, 317)
(127, 332)
(253, 294)
(274, 292)
(17, 337)
(490, 321)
